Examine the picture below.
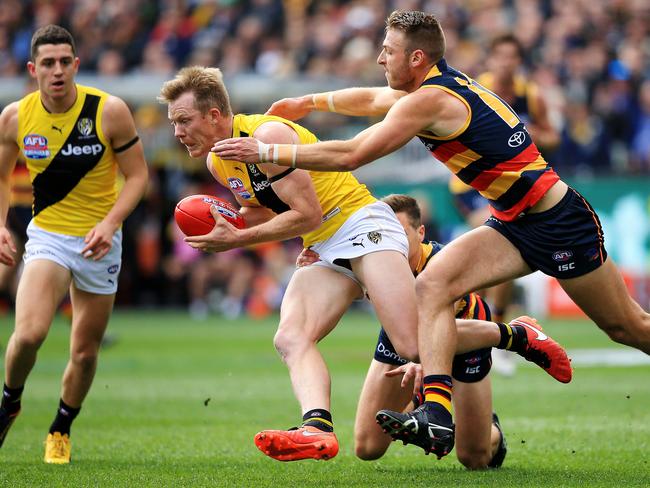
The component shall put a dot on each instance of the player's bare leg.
(390, 285)
(603, 296)
(315, 300)
(41, 289)
(478, 440)
(379, 392)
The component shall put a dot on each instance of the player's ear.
(417, 57)
(421, 232)
(214, 114)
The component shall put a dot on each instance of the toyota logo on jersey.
(517, 139)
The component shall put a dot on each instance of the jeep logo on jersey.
(84, 150)
(517, 139)
(35, 146)
(85, 126)
(561, 256)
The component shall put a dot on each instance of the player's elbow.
(350, 162)
(313, 221)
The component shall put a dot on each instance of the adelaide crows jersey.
(71, 164)
(492, 152)
(339, 193)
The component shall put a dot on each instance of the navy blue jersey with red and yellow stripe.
(492, 152)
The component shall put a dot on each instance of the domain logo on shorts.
(35, 146)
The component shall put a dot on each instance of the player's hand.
(244, 149)
(99, 241)
(290, 108)
(222, 237)
(411, 372)
(307, 257)
(7, 247)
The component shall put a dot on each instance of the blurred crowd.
(589, 58)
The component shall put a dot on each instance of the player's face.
(394, 57)
(193, 129)
(414, 235)
(54, 69)
(504, 61)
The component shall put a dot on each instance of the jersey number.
(491, 100)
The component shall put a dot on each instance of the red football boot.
(543, 351)
(298, 443)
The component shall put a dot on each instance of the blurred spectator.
(640, 149)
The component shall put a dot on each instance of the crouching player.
(480, 442)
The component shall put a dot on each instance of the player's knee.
(288, 340)
(86, 359)
(434, 291)
(31, 340)
(368, 449)
(475, 457)
(407, 349)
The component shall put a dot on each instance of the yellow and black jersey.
(339, 193)
(493, 153)
(71, 164)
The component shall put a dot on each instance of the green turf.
(176, 403)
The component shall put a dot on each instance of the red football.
(193, 215)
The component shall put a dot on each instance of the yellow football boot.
(57, 448)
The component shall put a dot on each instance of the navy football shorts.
(565, 241)
(469, 367)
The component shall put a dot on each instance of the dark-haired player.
(74, 139)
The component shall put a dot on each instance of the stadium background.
(589, 57)
(176, 402)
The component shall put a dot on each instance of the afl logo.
(562, 255)
(35, 146)
(517, 139)
(85, 126)
(238, 187)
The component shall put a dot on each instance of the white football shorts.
(370, 229)
(92, 276)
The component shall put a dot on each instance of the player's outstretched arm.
(409, 116)
(119, 128)
(360, 102)
(8, 155)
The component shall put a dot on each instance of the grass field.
(177, 403)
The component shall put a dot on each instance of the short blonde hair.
(205, 83)
(422, 31)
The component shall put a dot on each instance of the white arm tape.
(263, 151)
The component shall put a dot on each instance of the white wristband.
(330, 102)
(263, 151)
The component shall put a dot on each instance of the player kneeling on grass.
(480, 442)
